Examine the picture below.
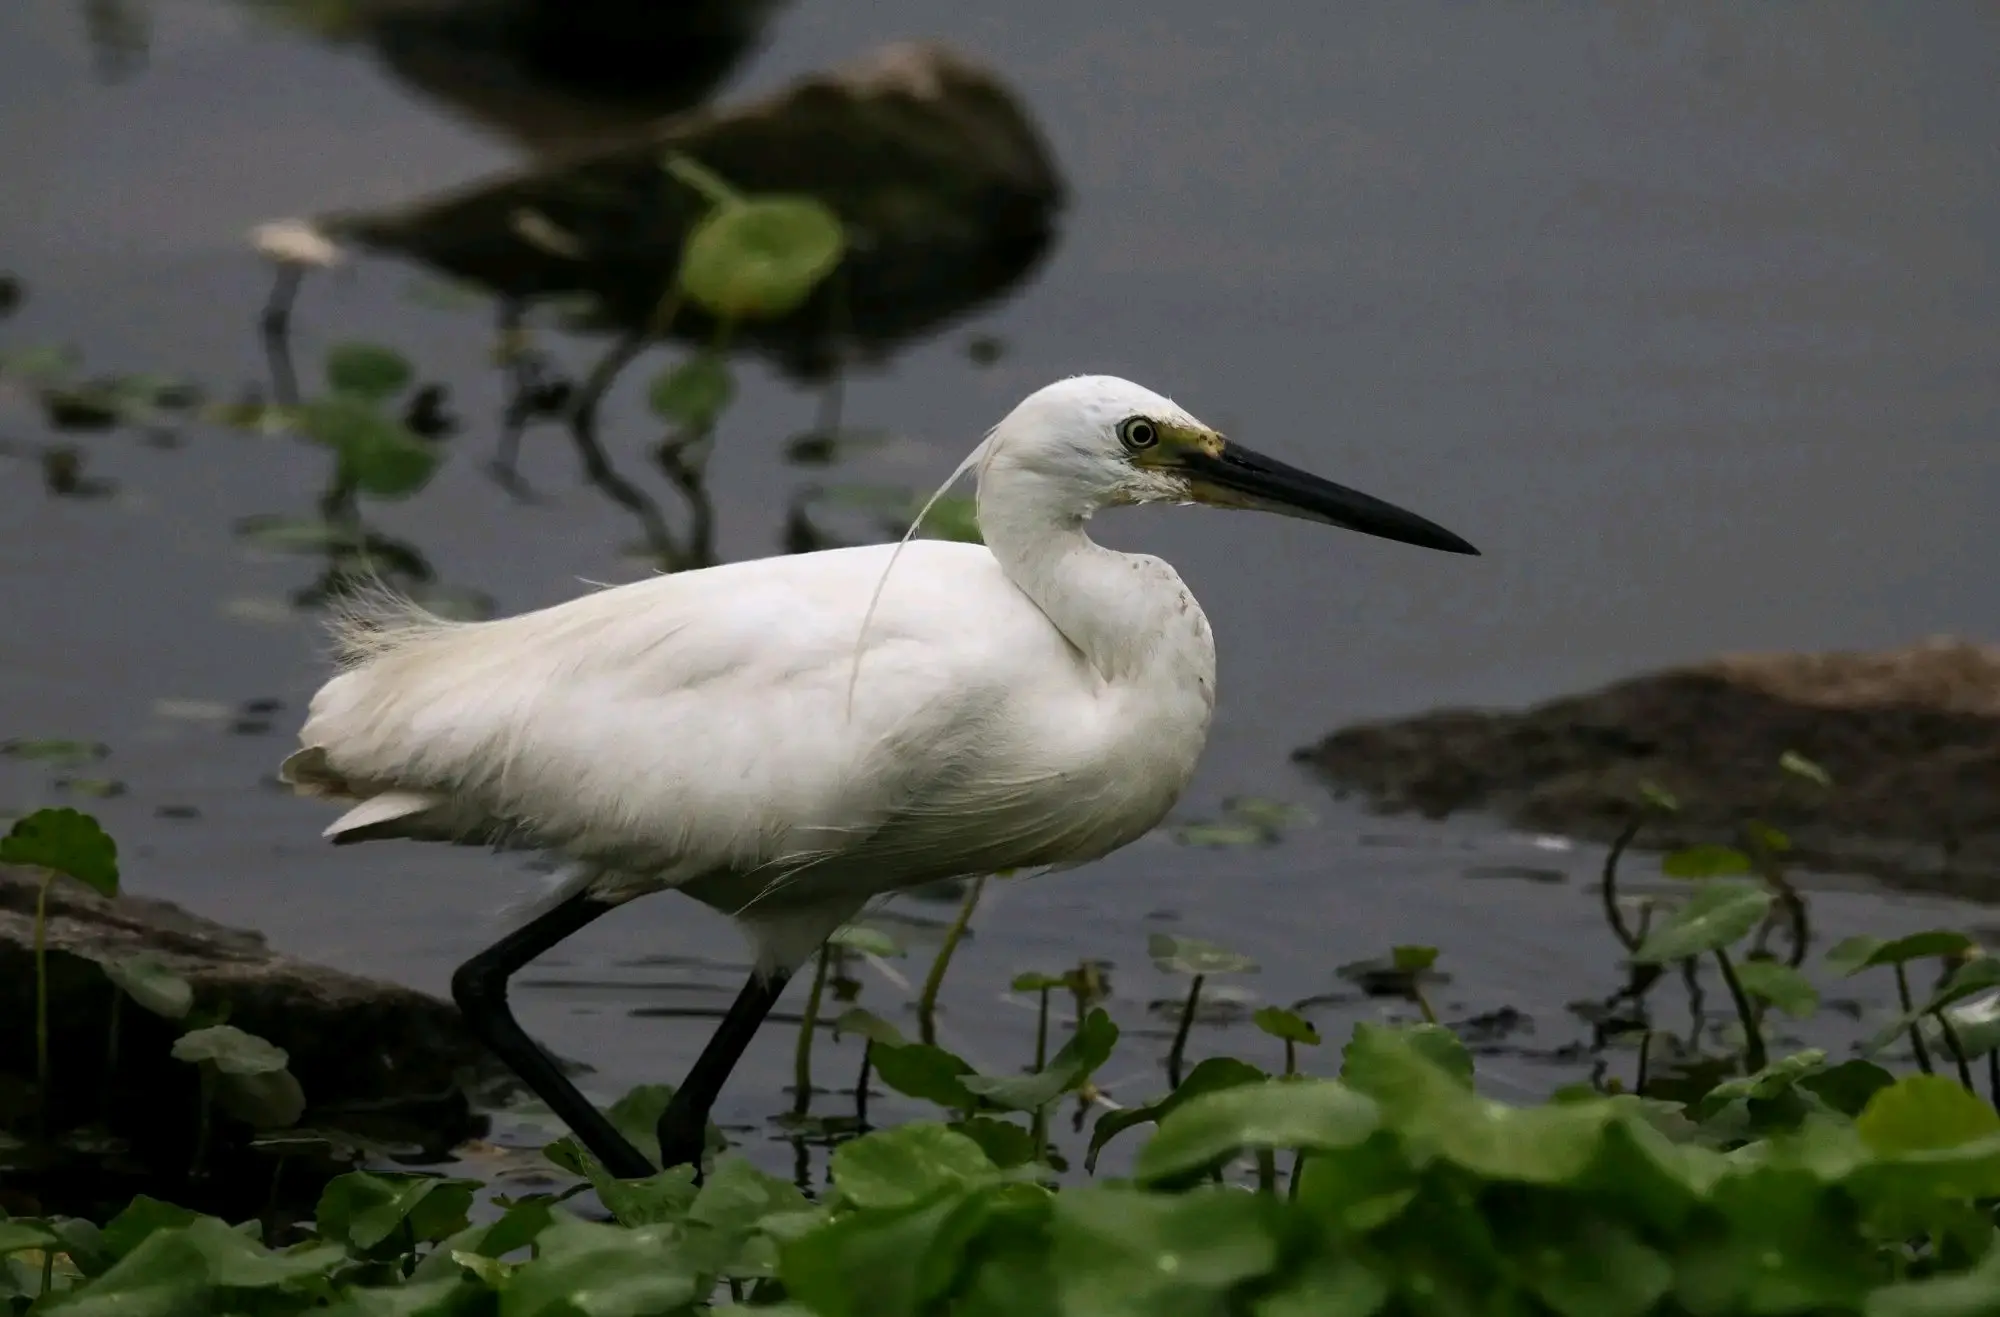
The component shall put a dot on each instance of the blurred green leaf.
(1211, 1075)
(1921, 1113)
(1779, 984)
(145, 978)
(922, 1071)
(68, 841)
(866, 939)
(1223, 835)
(1851, 955)
(1800, 766)
(1413, 960)
(266, 1100)
(583, 1269)
(1705, 862)
(230, 1050)
(369, 372)
(1005, 1143)
(1310, 1114)
(1373, 1044)
(1718, 914)
(692, 393)
(1121, 1253)
(364, 1211)
(905, 1165)
(867, 1024)
(378, 454)
(760, 259)
(1287, 1025)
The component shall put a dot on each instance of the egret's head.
(1112, 442)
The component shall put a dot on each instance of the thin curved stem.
(1754, 1056)
(1612, 914)
(802, 1055)
(1179, 1045)
(934, 981)
(1957, 1049)
(1909, 1005)
(597, 468)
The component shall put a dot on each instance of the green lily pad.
(378, 454)
(901, 1166)
(67, 841)
(1779, 984)
(1211, 1075)
(1705, 862)
(761, 258)
(230, 1050)
(1084, 1051)
(1309, 1114)
(866, 939)
(1287, 1025)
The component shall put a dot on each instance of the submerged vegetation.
(1706, 1177)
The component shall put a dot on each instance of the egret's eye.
(1137, 432)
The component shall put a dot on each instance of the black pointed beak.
(1236, 477)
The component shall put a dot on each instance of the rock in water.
(947, 192)
(369, 1056)
(1909, 737)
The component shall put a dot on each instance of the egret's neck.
(1035, 526)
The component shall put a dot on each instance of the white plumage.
(786, 738)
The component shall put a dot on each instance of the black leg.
(684, 1124)
(480, 989)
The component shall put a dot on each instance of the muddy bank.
(379, 1067)
(1910, 738)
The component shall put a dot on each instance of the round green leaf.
(1288, 1025)
(230, 1050)
(762, 258)
(1798, 765)
(897, 1167)
(1863, 952)
(67, 841)
(1190, 955)
(1310, 1114)
(1705, 862)
(368, 371)
(266, 1100)
(1718, 914)
(378, 454)
(146, 979)
(693, 393)
(869, 1025)
(1923, 1113)
(1035, 981)
(1210, 1075)
(1413, 960)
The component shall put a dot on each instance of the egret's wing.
(684, 723)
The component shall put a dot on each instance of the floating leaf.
(230, 1050)
(1798, 765)
(282, 534)
(68, 841)
(761, 258)
(1718, 914)
(268, 1100)
(1705, 862)
(897, 1167)
(1034, 981)
(56, 750)
(693, 393)
(1085, 1050)
(1189, 955)
(367, 371)
(145, 978)
(378, 454)
(1779, 984)
(583, 1269)
(1413, 960)
(1287, 1025)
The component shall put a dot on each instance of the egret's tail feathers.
(373, 618)
(391, 814)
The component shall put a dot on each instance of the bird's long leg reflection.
(480, 989)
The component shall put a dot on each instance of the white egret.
(785, 739)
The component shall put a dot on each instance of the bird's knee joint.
(476, 987)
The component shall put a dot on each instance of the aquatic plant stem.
(1916, 1034)
(1993, 1077)
(1267, 1171)
(1957, 1050)
(1179, 1046)
(1612, 914)
(42, 1071)
(802, 1079)
(1042, 1030)
(1754, 1056)
(934, 981)
(1645, 1054)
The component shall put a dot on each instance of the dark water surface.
(1692, 326)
